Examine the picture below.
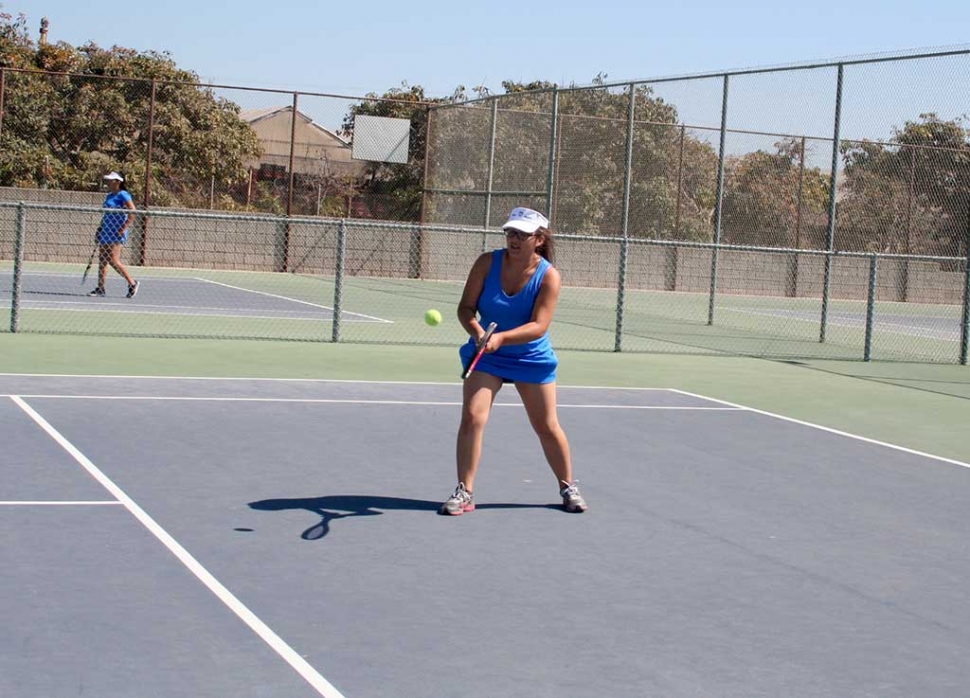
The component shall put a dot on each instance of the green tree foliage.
(91, 111)
(672, 186)
(771, 199)
(910, 195)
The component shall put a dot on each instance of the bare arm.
(468, 305)
(131, 216)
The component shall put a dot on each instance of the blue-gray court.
(279, 538)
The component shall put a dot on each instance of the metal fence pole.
(793, 260)
(285, 265)
(625, 221)
(18, 263)
(965, 324)
(670, 276)
(870, 307)
(907, 248)
(833, 190)
(3, 91)
(553, 155)
(338, 278)
(720, 201)
(491, 172)
(146, 199)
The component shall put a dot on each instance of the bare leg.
(540, 404)
(115, 261)
(104, 257)
(478, 394)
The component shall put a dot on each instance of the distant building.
(317, 151)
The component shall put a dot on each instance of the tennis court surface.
(279, 538)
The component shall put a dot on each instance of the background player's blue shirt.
(112, 223)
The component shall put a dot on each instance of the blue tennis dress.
(110, 232)
(533, 362)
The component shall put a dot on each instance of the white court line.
(351, 401)
(301, 380)
(291, 300)
(828, 429)
(302, 667)
(854, 322)
(51, 503)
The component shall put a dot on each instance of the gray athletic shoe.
(458, 503)
(132, 290)
(572, 500)
(97, 293)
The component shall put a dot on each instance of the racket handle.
(479, 350)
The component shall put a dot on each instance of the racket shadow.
(342, 506)
(345, 506)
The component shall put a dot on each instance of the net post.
(18, 263)
(338, 281)
(870, 306)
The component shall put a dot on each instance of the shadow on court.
(345, 506)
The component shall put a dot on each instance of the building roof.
(254, 115)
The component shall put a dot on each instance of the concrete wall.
(258, 243)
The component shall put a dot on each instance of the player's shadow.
(344, 506)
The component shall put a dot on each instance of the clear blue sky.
(356, 48)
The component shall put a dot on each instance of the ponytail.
(547, 249)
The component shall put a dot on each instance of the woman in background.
(113, 233)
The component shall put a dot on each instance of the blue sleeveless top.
(532, 362)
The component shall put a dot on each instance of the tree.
(72, 113)
(672, 183)
(770, 199)
(911, 194)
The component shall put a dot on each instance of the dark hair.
(124, 182)
(548, 247)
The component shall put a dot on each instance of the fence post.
(870, 307)
(285, 266)
(625, 220)
(907, 249)
(718, 208)
(3, 91)
(143, 245)
(793, 260)
(553, 155)
(18, 264)
(672, 252)
(965, 324)
(833, 189)
(338, 279)
(491, 172)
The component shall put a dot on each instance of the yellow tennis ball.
(433, 318)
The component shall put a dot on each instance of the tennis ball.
(433, 318)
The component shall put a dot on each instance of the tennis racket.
(479, 350)
(87, 269)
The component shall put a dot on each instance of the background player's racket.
(479, 350)
(87, 269)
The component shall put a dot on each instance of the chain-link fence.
(184, 145)
(864, 156)
(218, 275)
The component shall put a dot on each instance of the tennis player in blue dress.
(516, 287)
(113, 233)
